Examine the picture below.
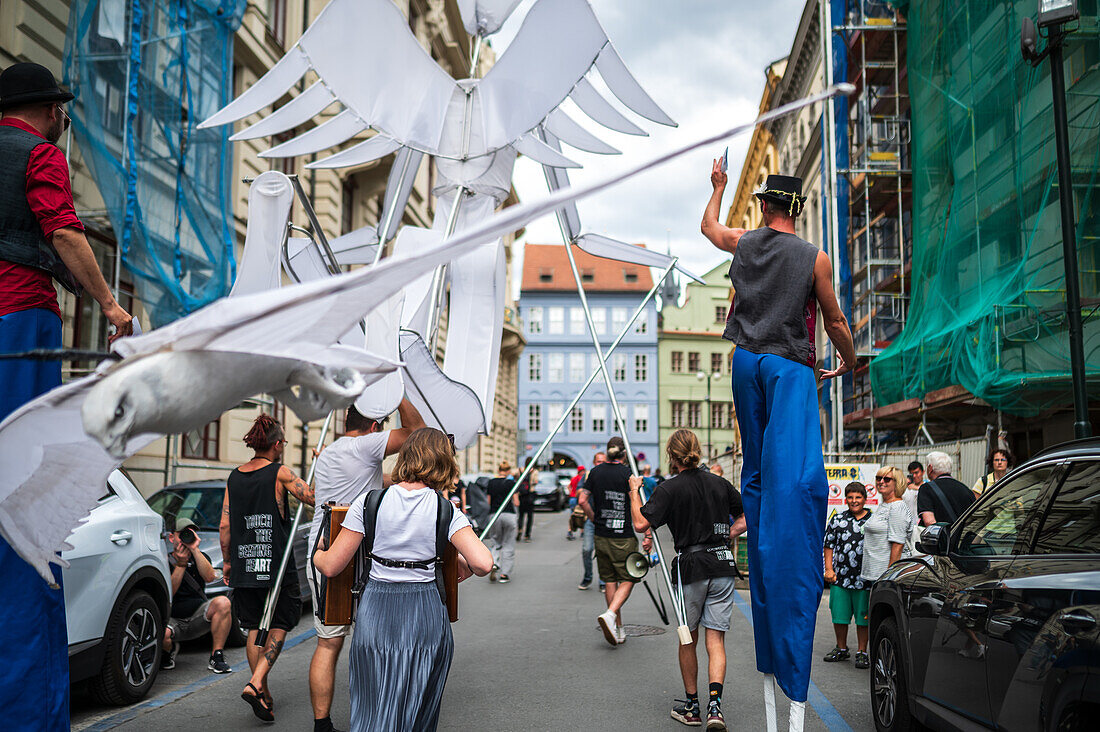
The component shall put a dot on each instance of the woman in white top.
(886, 533)
(402, 647)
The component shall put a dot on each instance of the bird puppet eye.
(119, 411)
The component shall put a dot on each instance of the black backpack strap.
(445, 511)
(951, 515)
(370, 523)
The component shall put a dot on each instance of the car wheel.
(889, 686)
(131, 659)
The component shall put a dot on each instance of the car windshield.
(201, 505)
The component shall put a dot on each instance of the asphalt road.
(528, 655)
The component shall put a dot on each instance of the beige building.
(344, 200)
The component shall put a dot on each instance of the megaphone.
(637, 565)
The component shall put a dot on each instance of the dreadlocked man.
(780, 281)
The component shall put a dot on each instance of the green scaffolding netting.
(987, 308)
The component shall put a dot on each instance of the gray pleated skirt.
(400, 655)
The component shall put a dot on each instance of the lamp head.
(1029, 41)
(1056, 12)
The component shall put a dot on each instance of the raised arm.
(836, 324)
(294, 485)
(411, 421)
(720, 236)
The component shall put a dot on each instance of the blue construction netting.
(145, 73)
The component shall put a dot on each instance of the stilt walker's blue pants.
(785, 494)
(34, 647)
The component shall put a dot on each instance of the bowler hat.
(26, 83)
(786, 190)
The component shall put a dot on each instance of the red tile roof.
(546, 269)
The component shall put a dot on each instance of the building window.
(720, 313)
(693, 362)
(202, 444)
(641, 418)
(619, 368)
(618, 320)
(576, 419)
(694, 411)
(718, 412)
(588, 275)
(557, 321)
(534, 320)
(546, 276)
(599, 417)
(576, 321)
(534, 367)
(731, 415)
(716, 363)
(576, 368)
(556, 368)
(276, 20)
(642, 326)
(629, 276)
(678, 412)
(534, 418)
(641, 367)
(283, 165)
(553, 414)
(599, 318)
(677, 362)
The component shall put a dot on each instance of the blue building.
(559, 356)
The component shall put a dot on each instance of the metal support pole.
(326, 251)
(273, 593)
(387, 220)
(1081, 426)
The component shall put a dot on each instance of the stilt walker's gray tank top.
(774, 310)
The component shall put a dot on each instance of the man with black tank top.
(254, 530)
(780, 283)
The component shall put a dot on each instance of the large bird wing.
(369, 61)
(53, 473)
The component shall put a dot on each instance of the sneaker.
(687, 712)
(168, 659)
(218, 663)
(620, 634)
(715, 720)
(494, 573)
(569, 536)
(610, 627)
(837, 654)
(505, 579)
(584, 585)
(602, 584)
(527, 540)
(862, 661)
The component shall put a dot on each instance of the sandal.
(837, 654)
(862, 661)
(258, 703)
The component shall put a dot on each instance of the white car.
(117, 596)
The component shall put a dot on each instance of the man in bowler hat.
(41, 241)
(780, 284)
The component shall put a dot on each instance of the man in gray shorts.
(698, 507)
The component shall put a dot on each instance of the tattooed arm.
(223, 536)
(295, 485)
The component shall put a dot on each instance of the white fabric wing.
(485, 17)
(445, 404)
(383, 324)
(269, 199)
(602, 246)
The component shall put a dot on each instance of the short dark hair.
(354, 421)
(855, 487)
(914, 466)
(1009, 457)
(770, 211)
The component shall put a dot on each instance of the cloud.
(703, 61)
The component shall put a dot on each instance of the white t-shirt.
(890, 523)
(346, 469)
(405, 531)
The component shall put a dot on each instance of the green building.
(691, 353)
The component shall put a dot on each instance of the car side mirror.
(935, 540)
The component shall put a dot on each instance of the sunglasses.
(883, 478)
(68, 120)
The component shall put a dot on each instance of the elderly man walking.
(780, 283)
(41, 241)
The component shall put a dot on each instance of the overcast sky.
(703, 62)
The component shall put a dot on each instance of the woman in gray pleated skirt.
(402, 646)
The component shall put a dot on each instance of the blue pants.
(785, 494)
(34, 646)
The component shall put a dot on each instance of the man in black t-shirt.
(192, 614)
(697, 506)
(502, 534)
(958, 497)
(605, 500)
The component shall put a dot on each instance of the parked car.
(548, 493)
(201, 501)
(999, 626)
(116, 595)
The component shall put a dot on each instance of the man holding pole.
(349, 467)
(780, 282)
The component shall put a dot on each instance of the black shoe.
(218, 664)
(687, 712)
(168, 658)
(837, 654)
(715, 721)
(584, 585)
(505, 579)
(861, 660)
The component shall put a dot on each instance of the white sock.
(798, 715)
(769, 701)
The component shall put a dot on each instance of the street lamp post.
(1053, 14)
(703, 376)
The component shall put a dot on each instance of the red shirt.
(50, 197)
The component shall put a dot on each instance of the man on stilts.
(780, 282)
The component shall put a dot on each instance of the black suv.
(998, 626)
